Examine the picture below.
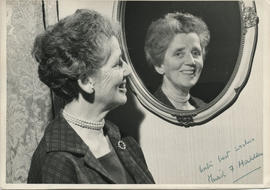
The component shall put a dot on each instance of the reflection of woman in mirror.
(176, 46)
(80, 60)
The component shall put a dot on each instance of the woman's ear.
(160, 69)
(87, 85)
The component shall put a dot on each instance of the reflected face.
(183, 61)
(110, 79)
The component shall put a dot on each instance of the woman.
(176, 46)
(80, 60)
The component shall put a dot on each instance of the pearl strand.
(82, 123)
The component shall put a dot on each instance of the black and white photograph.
(108, 94)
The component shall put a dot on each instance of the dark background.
(223, 21)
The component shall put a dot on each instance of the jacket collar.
(60, 136)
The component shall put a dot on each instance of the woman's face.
(183, 61)
(110, 79)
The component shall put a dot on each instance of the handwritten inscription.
(242, 163)
(222, 166)
(213, 179)
(206, 166)
(243, 145)
(224, 156)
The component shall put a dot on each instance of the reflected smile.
(188, 71)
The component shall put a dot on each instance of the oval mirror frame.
(237, 81)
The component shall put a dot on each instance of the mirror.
(226, 66)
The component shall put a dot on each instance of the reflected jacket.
(62, 157)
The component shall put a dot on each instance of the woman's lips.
(122, 87)
(188, 71)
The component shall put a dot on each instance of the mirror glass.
(222, 63)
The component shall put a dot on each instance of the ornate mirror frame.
(229, 94)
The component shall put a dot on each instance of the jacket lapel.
(126, 158)
(93, 163)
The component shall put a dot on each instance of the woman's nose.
(190, 59)
(127, 68)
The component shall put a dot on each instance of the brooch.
(121, 145)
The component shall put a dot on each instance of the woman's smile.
(122, 86)
(188, 72)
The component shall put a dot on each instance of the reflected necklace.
(178, 99)
(82, 123)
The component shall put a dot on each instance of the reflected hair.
(161, 32)
(73, 49)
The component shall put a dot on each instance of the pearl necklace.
(178, 99)
(82, 123)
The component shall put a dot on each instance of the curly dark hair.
(73, 49)
(161, 32)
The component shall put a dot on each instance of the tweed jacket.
(159, 94)
(62, 157)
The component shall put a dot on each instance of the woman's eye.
(119, 64)
(196, 53)
(179, 54)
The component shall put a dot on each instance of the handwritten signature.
(215, 172)
(242, 163)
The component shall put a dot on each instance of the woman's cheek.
(200, 64)
(176, 65)
(118, 75)
(111, 78)
(106, 79)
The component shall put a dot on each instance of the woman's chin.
(120, 101)
(189, 85)
(122, 97)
